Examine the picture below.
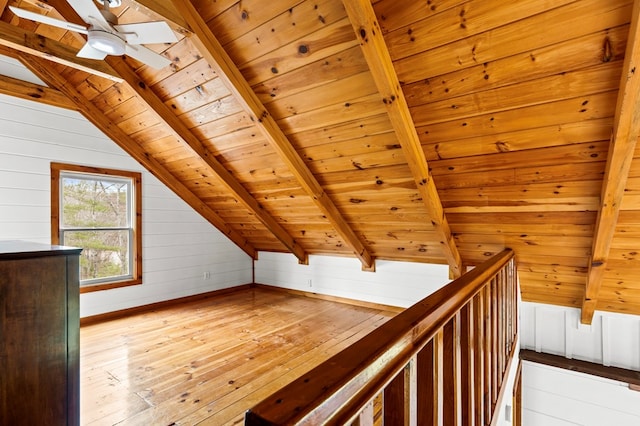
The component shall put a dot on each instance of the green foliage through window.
(96, 215)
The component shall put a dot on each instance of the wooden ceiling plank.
(33, 44)
(165, 9)
(39, 67)
(626, 129)
(165, 114)
(368, 31)
(168, 13)
(213, 51)
(34, 92)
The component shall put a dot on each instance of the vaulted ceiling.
(425, 131)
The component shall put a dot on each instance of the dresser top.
(12, 249)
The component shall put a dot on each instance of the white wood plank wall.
(611, 339)
(556, 397)
(394, 283)
(11, 68)
(179, 246)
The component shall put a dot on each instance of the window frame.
(57, 169)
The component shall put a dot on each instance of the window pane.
(94, 203)
(105, 253)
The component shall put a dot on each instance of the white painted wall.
(178, 244)
(553, 396)
(394, 283)
(14, 69)
(557, 397)
(611, 339)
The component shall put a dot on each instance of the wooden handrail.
(470, 324)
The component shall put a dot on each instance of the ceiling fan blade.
(146, 56)
(147, 32)
(91, 53)
(89, 13)
(32, 16)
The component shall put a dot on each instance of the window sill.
(109, 286)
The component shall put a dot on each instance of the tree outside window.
(99, 211)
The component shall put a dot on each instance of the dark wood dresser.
(39, 334)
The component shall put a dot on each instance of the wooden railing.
(441, 361)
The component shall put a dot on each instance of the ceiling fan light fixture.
(105, 42)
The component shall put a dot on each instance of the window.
(99, 210)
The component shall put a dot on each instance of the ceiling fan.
(106, 37)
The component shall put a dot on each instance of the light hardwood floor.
(207, 362)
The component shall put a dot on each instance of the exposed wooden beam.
(183, 133)
(3, 5)
(165, 9)
(229, 73)
(34, 92)
(42, 4)
(33, 44)
(4, 50)
(39, 67)
(626, 129)
(365, 24)
(165, 114)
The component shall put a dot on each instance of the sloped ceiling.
(437, 131)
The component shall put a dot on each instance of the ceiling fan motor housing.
(106, 42)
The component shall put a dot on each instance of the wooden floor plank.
(254, 392)
(208, 361)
